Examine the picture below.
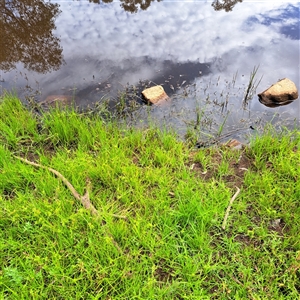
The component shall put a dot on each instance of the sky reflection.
(104, 43)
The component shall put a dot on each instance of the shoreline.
(104, 211)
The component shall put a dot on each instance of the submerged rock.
(60, 100)
(282, 92)
(155, 95)
(234, 144)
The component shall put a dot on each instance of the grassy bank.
(151, 225)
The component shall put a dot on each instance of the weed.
(252, 86)
(168, 242)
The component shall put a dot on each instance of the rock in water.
(60, 100)
(155, 95)
(281, 93)
(234, 144)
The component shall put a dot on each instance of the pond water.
(202, 52)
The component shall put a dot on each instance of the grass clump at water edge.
(160, 206)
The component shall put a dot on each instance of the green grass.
(161, 205)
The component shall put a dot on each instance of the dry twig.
(229, 207)
(84, 200)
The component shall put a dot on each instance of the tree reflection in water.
(27, 35)
(27, 31)
(227, 5)
(130, 5)
(134, 5)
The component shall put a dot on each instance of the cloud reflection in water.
(101, 40)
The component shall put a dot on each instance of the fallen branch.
(84, 200)
(229, 207)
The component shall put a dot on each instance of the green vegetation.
(160, 206)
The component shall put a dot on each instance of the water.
(202, 52)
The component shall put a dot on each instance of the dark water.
(202, 52)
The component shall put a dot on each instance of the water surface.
(202, 52)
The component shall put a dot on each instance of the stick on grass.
(84, 200)
(229, 207)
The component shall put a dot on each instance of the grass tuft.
(161, 205)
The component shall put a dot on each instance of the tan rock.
(155, 95)
(282, 92)
(60, 100)
(234, 144)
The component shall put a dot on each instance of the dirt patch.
(163, 272)
(278, 226)
(247, 240)
(238, 168)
